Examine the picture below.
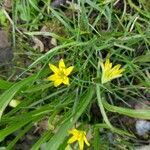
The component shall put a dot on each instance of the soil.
(58, 3)
(6, 53)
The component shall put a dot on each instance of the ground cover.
(74, 72)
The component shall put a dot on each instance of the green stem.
(99, 98)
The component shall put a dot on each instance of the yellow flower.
(109, 73)
(60, 73)
(80, 136)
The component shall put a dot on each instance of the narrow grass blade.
(139, 114)
(96, 142)
(115, 130)
(5, 84)
(143, 58)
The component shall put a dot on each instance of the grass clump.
(107, 42)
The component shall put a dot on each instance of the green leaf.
(38, 88)
(2, 18)
(138, 114)
(143, 58)
(7, 96)
(5, 84)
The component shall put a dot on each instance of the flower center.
(61, 74)
(80, 135)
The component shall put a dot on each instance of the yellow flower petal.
(53, 77)
(54, 68)
(68, 70)
(66, 80)
(116, 67)
(109, 73)
(81, 144)
(108, 65)
(73, 131)
(80, 136)
(57, 82)
(86, 141)
(72, 140)
(121, 70)
(61, 64)
(116, 76)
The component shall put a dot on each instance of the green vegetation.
(83, 34)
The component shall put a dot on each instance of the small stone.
(142, 127)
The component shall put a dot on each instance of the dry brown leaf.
(38, 44)
(54, 41)
(7, 4)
